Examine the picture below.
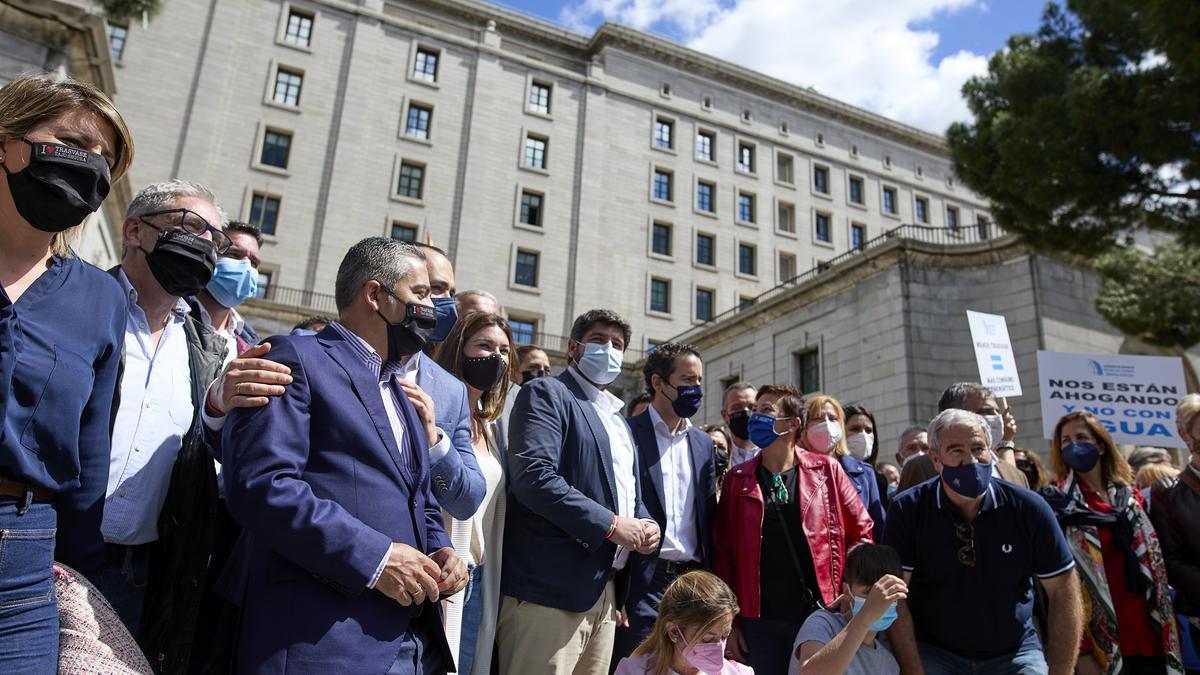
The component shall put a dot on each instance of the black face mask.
(407, 337)
(484, 372)
(739, 424)
(181, 262)
(531, 375)
(60, 186)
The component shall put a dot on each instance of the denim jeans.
(472, 617)
(28, 608)
(769, 642)
(1028, 661)
(122, 579)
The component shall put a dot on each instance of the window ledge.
(893, 216)
(706, 268)
(822, 243)
(791, 234)
(416, 139)
(856, 205)
(407, 200)
(746, 223)
(749, 174)
(267, 168)
(662, 202)
(658, 314)
(748, 277)
(665, 151)
(707, 214)
(786, 184)
(532, 290)
(538, 114)
(307, 49)
(533, 169)
(710, 162)
(529, 228)
(660, 256)
(270, 103)
(822, 195)
(423, 82)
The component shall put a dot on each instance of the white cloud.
(863, 52)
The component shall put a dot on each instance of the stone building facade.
(560, 171)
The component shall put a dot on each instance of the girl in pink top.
(694, 620)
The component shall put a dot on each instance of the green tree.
(122, 10)
(1088, 132)
(1157, 298)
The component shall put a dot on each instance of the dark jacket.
(1175, 512)
(186, 525)
(247, 333)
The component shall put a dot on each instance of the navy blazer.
(320, 487)
(704, 492)
(863, 477)
(561, 498)
(458, 482)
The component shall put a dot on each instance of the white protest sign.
(1134, 397)
(993, 353)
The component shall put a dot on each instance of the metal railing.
(981, 233)
(311, 301)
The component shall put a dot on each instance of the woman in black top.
(62, 324)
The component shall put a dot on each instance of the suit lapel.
(368, 393)
(651, 458)
(599, 432)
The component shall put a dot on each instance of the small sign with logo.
(994, 354)
(1134, 397)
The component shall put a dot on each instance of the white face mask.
(861, 445)
(823, 436)
(996, 424)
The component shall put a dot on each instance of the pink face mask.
(709, 657)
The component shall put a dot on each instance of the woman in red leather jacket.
(784, 524)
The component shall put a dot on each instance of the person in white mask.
(824, 434)
(863, 443)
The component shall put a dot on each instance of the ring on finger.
(237, 388)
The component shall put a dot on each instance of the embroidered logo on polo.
(1007, 548)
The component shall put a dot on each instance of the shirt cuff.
(213, 423)
(379, 570)
(441, 448)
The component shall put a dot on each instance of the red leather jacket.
(831, 513)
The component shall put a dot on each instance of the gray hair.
(160, 196)
(955, 417)
(956, 395)
(911, 430)
(736, 386)
(374, 258)
(462, 297)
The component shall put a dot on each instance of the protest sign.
(993, 353)
(1134, 397)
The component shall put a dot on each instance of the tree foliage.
(1090, 129)
(1156, 298)
(123, 10)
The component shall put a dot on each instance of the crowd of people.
(402, 488)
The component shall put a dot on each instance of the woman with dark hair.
(785, 521)
(862, 441)
(1130, 625)
(477, 352)
(62, 327)
(1031, 465)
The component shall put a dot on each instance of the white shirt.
(680, 541)
(155, 413)
(741, 455)
(620, 442)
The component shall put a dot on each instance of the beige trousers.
(539, 640)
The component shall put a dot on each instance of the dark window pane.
(527, 269)
(411, 178)
(822, 227)
(522, 331)
(116, 39)
(808, 376)
(661, 239)
(276, 147)
(531, 209)
(287, 87)
(535, 152)
(660, 295)
(856, 190)
(662, 185)
(746, 261)
(426, 65)
(539, 98)
(663, 134)
(404, 232)
(704, 146)
(704, 304)
(821, 179)
(704, 197)
(746, 208)
(418, 121)
(857, 237)
(264, 212)
(704, 249)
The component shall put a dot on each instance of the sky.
(905, 59)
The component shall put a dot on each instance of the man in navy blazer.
(343, 555)
(677, 469)
(574, 512)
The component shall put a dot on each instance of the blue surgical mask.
(891, 489)
(447, 316)
(687, 400)
(882, 623)
(761, 428)
(600, 363)
(233, 282)
(1081, 457)
(968, 480)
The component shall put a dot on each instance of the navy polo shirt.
(983, 611)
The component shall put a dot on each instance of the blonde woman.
(62, 324)
(825, 433)
(478, 352)
(694, 621)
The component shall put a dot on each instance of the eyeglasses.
(966, 536)
(192, 223)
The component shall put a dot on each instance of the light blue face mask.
(600, 363)
(882, 623)
(233, 282)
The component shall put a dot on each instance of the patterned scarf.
(1145, 570)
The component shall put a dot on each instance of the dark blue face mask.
(1081, 457)
(447, 316)
(687, 400)
(968, 480)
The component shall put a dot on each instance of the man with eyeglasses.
(971, 547)
(162, 486)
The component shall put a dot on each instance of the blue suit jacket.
(320, 487)
(704, 491)
(458, 482)
(561, 500)
(863, 477)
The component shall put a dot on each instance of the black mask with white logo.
(181, 262)
(409, 336)
(60, 186)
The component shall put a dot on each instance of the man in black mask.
(162, 487)
(736, 406)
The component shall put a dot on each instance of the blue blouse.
(60, 353)
(863, 477)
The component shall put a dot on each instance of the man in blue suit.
(457, 481)
(574, 511)
(343, 555)
(679, 487)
